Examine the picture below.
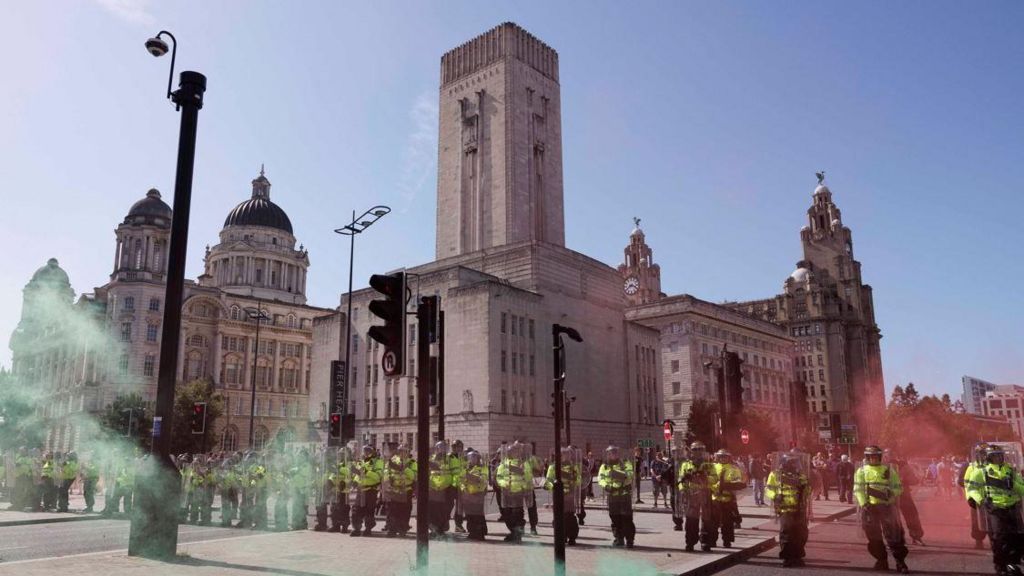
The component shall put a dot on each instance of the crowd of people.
(350, 487)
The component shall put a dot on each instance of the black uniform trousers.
(398, 516)
(63, 491)
(1004, 530)
(882, 527)
(910, 516)
(89, 491)
(792, 535)
(572, 526)
(698, 522)
(440, 513)
(453, 497)
(362, 512)
(515, 520)
(620, 511)
(722, 519)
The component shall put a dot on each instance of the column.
(117, 255)
(275, 383)
(303, 369)
(217, 358)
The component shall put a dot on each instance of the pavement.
(28, 550)
(838, 547)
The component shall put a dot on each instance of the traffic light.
(392, 310)
(733, 382)
(335, 425)
(198, 417)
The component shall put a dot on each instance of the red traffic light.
(335, 418)
(745, 436)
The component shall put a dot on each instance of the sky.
(707, 120)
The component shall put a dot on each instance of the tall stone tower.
(641, 277)
(500, 144)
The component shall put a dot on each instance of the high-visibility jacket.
(47, 471)
(474, 480)
(571, 477)
(730, 479)
(69, 471)
(696, 478)
(787, 489)
(968, 477)
(256, 476)
(399, 473)
(876, 484)
(513, 476)
(458, 468)
(617, 478)
(998, 484)
(126, 474)
(341, 476)
(366, 473)
(442, 472)
(23, 465)
(90, 471)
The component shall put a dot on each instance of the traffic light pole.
(154, 524)
(558, 490)
(440, 375)
(422, 433)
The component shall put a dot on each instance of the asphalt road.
(67, 538)
(839, 548)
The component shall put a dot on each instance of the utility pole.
(424, 318)
(558, 489)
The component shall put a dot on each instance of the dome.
(822, 189)
(149, 208)
(800, 274)
(51, 274)
(259, 210)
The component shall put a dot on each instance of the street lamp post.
(154, 524)
(558, 489)
(568, 419)
(356, 226)
(258, 315)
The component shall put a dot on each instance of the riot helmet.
(873, 454)
(457, 447)
(473, 458)
(723, 456)
(698, 451)
(995, 454)
(440, 449)
(611, 453)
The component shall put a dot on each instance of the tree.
(182, 438)
(897, 398)
(910, 395)
(947, 402)
(700, 423)
(128, 417)
(931, 427)
(763, 434)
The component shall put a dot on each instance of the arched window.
(158, 252)
(235, 312)
(229, 441)
(195, 340)
(291, 321)
(260, 437)
(138, 254)
(195, 366)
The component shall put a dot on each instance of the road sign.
(389, 362)
(848, 434)
(745, 436)
(645, 443)
(668, 431)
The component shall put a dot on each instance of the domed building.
(255, 267)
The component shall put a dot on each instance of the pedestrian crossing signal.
(198, 417)
(335, 425)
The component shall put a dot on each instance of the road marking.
(13, 548)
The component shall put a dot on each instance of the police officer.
(341, 481)
(571, 478)
(67, 474)
(399, 476)
(440, 483)
(366, 478)
(996, 489)
(695, 481)
(457, 463)
(979, 523)
(616, 478)
(723, 498)
(90, 476)
(877, 488)
(515, 483)
(473, 489)
(787, 489)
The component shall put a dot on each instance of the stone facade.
(1006, 401)
(504, 278)
(255, 266)
(500, 146)
(830, 312)
(974, 393)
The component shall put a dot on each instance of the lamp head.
(157, 47)
(380, 212)
(572, 333)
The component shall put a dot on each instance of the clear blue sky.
(708, 120)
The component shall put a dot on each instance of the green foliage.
(700, 423)
(182, 438)
(763, 434)
(931, 427)
(128, 417)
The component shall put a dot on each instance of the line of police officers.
(994, 490)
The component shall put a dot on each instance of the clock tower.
(641, 277)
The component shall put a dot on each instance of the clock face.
(631, 286)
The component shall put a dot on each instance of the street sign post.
(645, 443)
(848, 434)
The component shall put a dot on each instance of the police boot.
(881, 565)
(901, 567)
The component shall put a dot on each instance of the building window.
(374, 407)
(148, 364)
(504, 402)
(412, 405)
(533, 364)
(129, 303)
(513, 324)
(676, 388)
(126, 332)
(154, 304)
(504, 357)
(151, 331)
(824, 406)
(821, 375)
(515, 363)
(675, 366)
(521, 325)
(531, 328)
(229, 442)
(503, 320)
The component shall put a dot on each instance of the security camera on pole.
(154, 524)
